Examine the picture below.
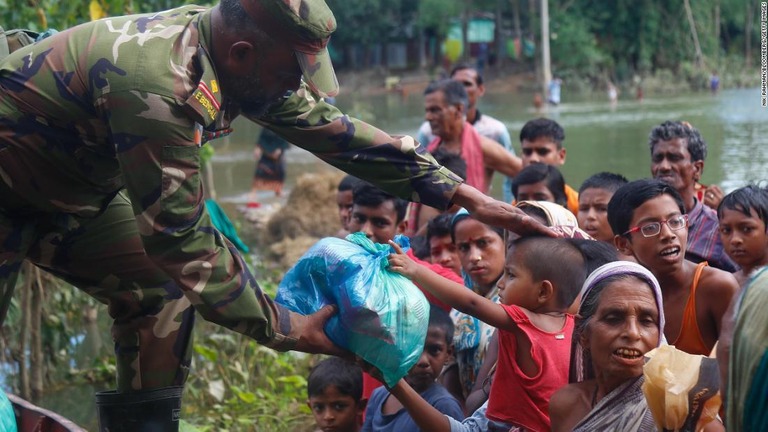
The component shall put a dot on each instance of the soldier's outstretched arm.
(399, 165)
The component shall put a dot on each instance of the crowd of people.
(544, 304)
(552, 333)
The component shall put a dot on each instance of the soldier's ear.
(242, 57)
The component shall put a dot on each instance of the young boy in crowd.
(385, 413)
(344, 202)
(743, 216)
(541, 140)
(648, 217)
(540, 182)
(442, 251)
(594, 195)
(335, 390)
(542, 277)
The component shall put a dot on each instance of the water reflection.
(744, 144)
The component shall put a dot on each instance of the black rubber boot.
(142, 411)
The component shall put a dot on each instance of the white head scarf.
(581, 360)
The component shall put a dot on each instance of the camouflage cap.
(306, 25)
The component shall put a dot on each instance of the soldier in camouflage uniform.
(100, 131)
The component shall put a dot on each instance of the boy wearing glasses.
(541, 141)
(649, 221)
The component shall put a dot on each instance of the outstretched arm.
(449, 292)
(429, 418)
(496, 213)
(398, 165)
(497, 158)
(425, 415)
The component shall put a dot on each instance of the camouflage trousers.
(104, 257)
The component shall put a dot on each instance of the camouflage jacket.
(126, 102)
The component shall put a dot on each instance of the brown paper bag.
(682, 390)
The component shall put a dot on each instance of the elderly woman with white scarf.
(620, 319)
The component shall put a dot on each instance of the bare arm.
(497, 158)
(723, 347)
(497, 213)
(451, 293)
(482, 387)
(718, 293)
(568, 406)
(425, 415)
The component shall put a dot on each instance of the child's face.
(744, 238)
(379, 224)
(481, 251)
(535, 192)
(442, 251)
(344, 203)
(593, 213)
(663, 253)
(516, 286)
(542, 150)
(436, 353)
(335, 411)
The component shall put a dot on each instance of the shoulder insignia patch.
(207, 101)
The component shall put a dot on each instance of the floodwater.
(599, 136)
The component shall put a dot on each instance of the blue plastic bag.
(7, 415)
(383, 316)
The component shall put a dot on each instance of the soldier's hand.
(494, 212)
(313, 339)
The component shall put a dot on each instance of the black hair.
(556, 260)
(460, 217)
(632, 195)
(439, 226)
(537, 172)
(453, 91)
(440, 319)
(744, 200)
(452, 161)
(604, 180)
(420, 247)
(543, 127)
(465, 66)
(595, 253)
(346, 376)
(348, 183)
(368, 195)
(670, 130)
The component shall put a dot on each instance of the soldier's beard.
(250, 95)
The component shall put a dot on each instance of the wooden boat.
(32, 418)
